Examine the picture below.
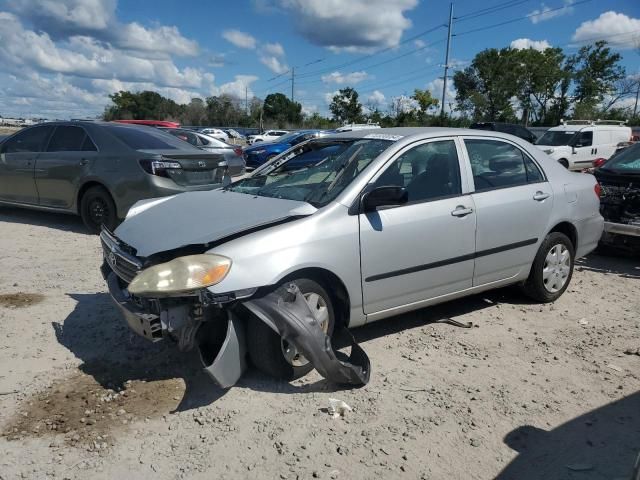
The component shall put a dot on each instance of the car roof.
(401, 132)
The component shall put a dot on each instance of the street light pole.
(446, 62)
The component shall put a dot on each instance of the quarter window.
(497, 164)
(428, 171)
(31, 140)
(67, 139)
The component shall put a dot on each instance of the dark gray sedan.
(98, 170)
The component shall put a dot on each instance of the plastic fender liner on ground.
(291, 315)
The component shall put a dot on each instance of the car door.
(59, 169)
(17, 162)
(513, 202)
(582, 154)
(424, 248)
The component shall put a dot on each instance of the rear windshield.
(146, 138)
(625, 161)
(557, 138)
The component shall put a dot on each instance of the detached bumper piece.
(289, 313)
(622, 229)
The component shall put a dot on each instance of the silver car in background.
(381, 222)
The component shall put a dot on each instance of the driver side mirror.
(384, 196)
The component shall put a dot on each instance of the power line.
(489, 10)
(518, 19)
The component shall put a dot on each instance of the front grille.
(124, 265)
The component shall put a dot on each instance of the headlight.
(181, 275)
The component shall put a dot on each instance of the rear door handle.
(461, 211)
(540, 196)
(83, 161)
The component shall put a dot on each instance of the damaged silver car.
(341, 231)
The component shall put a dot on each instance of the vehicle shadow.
(620, 264)
(96, 333)
(60, 221)
(601, 444)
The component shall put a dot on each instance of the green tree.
(146, 105)
(425, 101)
(485, 88)
(345, 106)
(279, 108)
(597, 70)
(195, 113)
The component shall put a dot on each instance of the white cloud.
(274, 64)
(239, 39)
(274, 49)
(328, 96)
(308, 110)
(545, 13)
(352, 78)
(237, 87)
(420, 43)
(404, 104)
(617, 28)
(435, 88)
(353, 24)
(525, 43)
(376, 98)
(162, 39)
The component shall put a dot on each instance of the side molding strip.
(450, 261)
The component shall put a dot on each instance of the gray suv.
(98, 170)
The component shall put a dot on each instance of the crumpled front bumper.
(224, 358)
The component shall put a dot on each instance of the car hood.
(197, 218)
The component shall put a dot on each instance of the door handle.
(83, 161)
(595, 150)
(540, 196)
(461, 211)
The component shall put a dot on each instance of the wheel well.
(569, 230)
(334, 286)
(83, 190)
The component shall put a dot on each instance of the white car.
(357, 126)
(577, 143)
(268, 136)
(215, 133)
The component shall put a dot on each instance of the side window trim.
(464, 179)
(467, 161)
(87, 136)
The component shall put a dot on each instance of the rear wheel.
(97, 208)
(275, 356)
(564, 162)
(552, 269)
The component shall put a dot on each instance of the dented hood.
(200, 217)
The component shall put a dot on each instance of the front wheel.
(275, 356)
(552, 269)
(97, 208)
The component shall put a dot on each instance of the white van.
(577, 143)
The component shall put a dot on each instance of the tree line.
(509, 85)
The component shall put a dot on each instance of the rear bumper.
(589, 232)
(622, 229)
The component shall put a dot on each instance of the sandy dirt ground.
(530, 392)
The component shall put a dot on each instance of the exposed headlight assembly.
(183, 274)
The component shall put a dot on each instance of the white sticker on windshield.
(383, 136)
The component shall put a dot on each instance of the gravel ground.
(530, 392)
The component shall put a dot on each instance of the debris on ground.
(338, 408)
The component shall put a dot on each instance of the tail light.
(238, 151)
(598, 162)
(597, 189)
(160, 168)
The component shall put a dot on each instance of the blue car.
(261, 153)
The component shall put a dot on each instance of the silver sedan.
(365, 224)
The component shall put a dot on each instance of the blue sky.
(61, 58)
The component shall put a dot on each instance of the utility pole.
(635, 107)
(293, 75)
(246, 100)
(446, 62)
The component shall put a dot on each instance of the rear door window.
(67, 139)
(145, 138)
(496, 164)
(30, 140)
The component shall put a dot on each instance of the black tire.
(97, 208)
(535, 287)
(266, 347)
(564, 162)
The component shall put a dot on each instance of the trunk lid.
(195, 218)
